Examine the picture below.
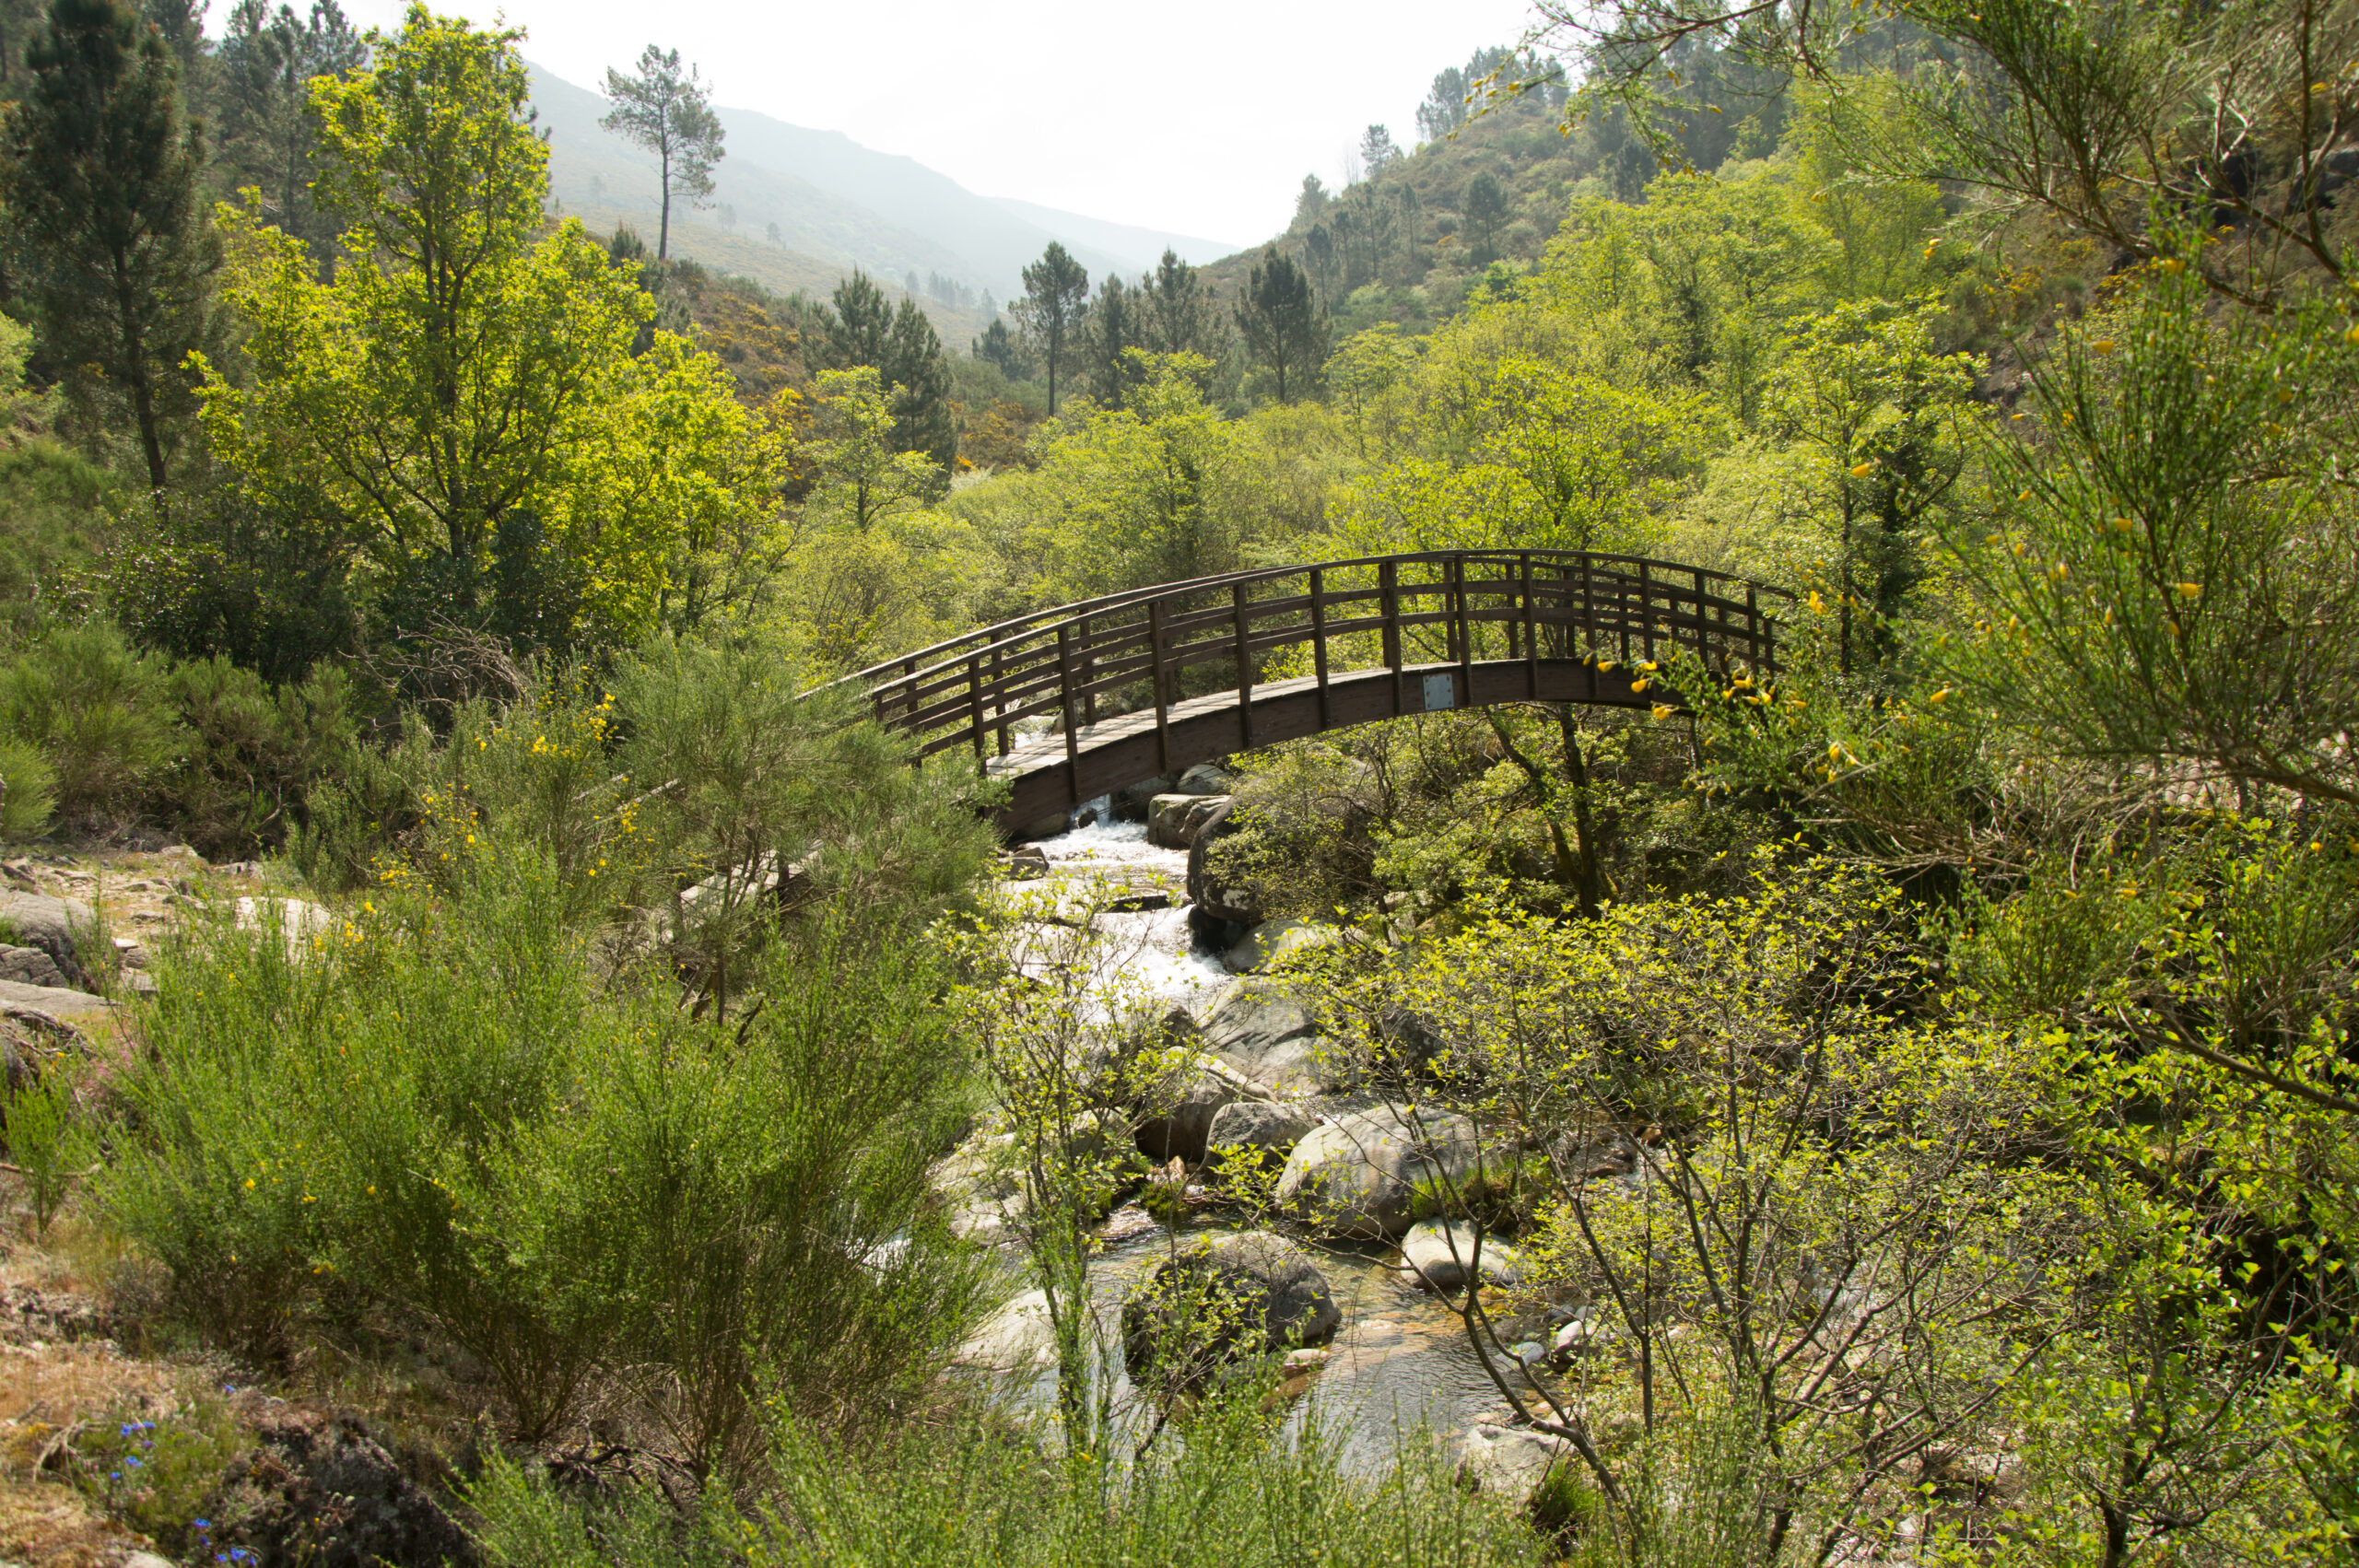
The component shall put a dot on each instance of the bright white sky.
(1197, 119)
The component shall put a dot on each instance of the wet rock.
(1264, 1125)
(1215, 897)
(51, 925)
(1205, 778)
(30, 966)
(1441, 1253)
(1189, 1099)
(1135, 803)
(1510, 1461)
(1274, 940)
(1174, 820)
(1026, 862)
(1268, 1033)
(1239, 1296)
(1358, 1175)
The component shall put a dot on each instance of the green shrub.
(30, 785)
(251, 754)
(1230, 1494)
(98, 712)
(444, 1111)
(46, 1142)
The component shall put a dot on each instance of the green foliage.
(98, 714)
(1230, 1493)
(248, 754)
(100, 169)
(1279, 320)
(157, 1475)
(31, 789)
(48, 1141)
(670, 115)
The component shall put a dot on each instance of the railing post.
(1465, 631)
(1064, 704)
(999, 700)
(1754, 665)
(1646, 610)
(1088, 674)
(975, 709)
(1589, 618)
(1530, 635)
(1244, 667)
(1155, 673)
(1318, 641)
(910, 676)
(1389, 584)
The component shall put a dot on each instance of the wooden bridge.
(1079, 701)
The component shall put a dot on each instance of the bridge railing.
(1159, 647)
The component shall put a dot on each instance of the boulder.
(1205, 890)
(1263, 1125)
(1512, 1462)
(1196, 1092)
(1017, 1335)
(1274, 940)
(977, 1182)
(1173, 821)
(1269, 1034)
(1439, 1254)
(1259, 1292)
(297, 920)
(1135, 803)
(1050, 824)
(51, 924)
(60, 1006)
(1205, 778)
(1358, 1175)
(30, 966)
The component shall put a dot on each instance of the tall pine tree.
(265, 132)
(99, 168)
(1053, 310)
(1281, 321)
(906, 352)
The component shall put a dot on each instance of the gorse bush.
(96, 712)
(439, 1110)
(1232, 1495)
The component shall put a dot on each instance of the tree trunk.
(143, 391)
(663, 226)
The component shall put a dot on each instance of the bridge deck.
(1118, 752)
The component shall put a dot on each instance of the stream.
(1400, 1363)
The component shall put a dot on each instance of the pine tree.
(1113, 329)
(1055, 303)
(100, 173)
(263, 127)
(1281, 321)
(1176, 313)
(670, 115)
(865, 329)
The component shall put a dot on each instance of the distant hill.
(1139, 249)
(797, 208)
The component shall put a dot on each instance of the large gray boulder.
(1442, 1253)
(1205, 778)
(1267, 1126)
(52, 926)
(1207, 892)
(1134, 802)
(1268, 1033)
(1186, 1104)
(1511, 1462)
(1358, 1175)
(1240, 1296)
(1174, 820)
(30, 966)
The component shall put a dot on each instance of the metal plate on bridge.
(1441, 691)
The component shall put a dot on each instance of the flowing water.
(1400, 1363)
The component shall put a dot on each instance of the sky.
(1197, 119)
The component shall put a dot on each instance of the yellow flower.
(249, 1184)
(1940, 696)
(1861, 470)
(2103, 346)
(1662, 711)
(1817, 605)
(2190, 591)
(2352, 337)
(1639, 685)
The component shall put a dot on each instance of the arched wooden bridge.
(1076, 702)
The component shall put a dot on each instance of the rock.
(1046, 825)
(1174, 820)
(1510, 1461)
(1274, 940)
(52, 925)
(1438, 1253)
(1205, 890)
(978, 1188)
(1582, 1336)
(1017, 1335)
(332, 1492)
(1358, 1175)
(129, 952)
(297, 920)
(147, 1559)
(1188, 1101)
(1267, 1034)
(1026, 862)
(52, 1002)
(1259, 1292)
(30, 966)
(1135, 803)
(1205, 778)
(1262, 1125)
